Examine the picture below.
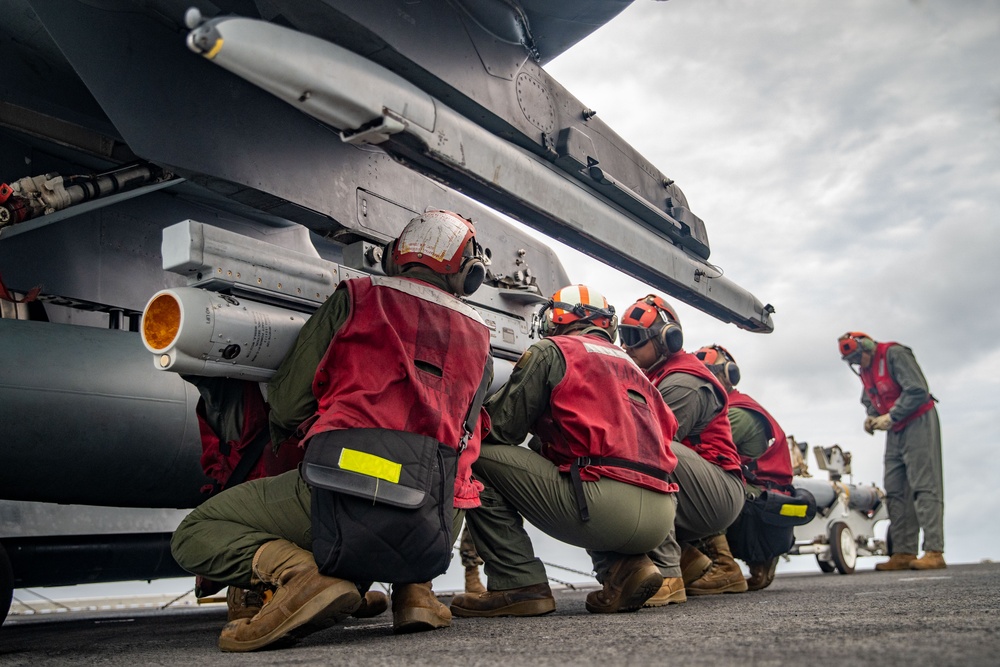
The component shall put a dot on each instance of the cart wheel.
(843, 548)
(6, 584)
(825, 565)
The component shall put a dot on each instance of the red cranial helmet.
(651, 318)
(852, 344)
(718, 359)
(444, 242)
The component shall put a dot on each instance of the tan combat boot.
(897, 561)
(671, 592)
(761, 574)
(725, 575)
(415, 608)
(372, 604)
(533, 600)
(931, 560)
(472, 582)
(627, 585)
(302, 595)
(246, 602)
(693, 564)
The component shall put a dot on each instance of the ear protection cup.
(541, 321)
(613, 327)
(389, 266)
(671, 337)
(732, 372)
(469, 277)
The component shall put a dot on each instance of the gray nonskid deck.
(901, 618)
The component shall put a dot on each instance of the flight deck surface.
(944, 617)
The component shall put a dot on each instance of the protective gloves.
(882, 422)
(868, 425)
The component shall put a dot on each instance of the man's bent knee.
(180, 543)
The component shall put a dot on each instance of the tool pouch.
(765, 527)
(779, 509)
(381, 504)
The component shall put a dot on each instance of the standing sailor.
(899, 402)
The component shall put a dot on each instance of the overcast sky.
(845, 158)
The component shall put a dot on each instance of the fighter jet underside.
(314, 129)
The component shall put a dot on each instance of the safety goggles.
(634, 336)
(853, 357)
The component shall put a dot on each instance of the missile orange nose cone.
(161, 322)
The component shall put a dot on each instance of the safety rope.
(568, 569)
(554, 580)
(182, 595)
(50, 601)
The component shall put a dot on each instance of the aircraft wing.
(229, 136)
(548, 27)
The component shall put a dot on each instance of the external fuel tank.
(113, 431)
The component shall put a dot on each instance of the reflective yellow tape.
(371, 465)
(793, 510)
(215, 49)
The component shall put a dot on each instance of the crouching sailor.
(597, 474)
(384, 383)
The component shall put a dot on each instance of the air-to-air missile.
(368, 104)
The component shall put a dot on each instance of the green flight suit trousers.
(219, 538)
(522, 485)
(914, 485)
(708, 502)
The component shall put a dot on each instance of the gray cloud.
(846, 159)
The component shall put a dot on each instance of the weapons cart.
(844, 527)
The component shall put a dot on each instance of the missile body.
(860, 498)
(584, 206)
(197, 332)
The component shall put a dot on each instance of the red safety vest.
(773, 468)
(590, 414)
(219, 459)
(884, 391)
(409, 357)
(715, 442)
